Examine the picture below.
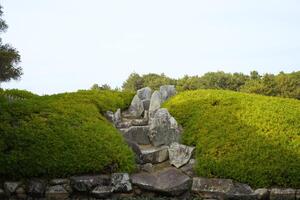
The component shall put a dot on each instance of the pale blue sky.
(70, 44)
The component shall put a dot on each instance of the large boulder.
(163, 128)
(169, 181)
(155, 103)
(138, 134)
(144, 93)
(286, 194)
(221, 189)
(180, 154)
(167, 91)
(136, 108)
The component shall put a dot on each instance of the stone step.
(137, 134)
(151, 154)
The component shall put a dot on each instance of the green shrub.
(246, 137)
(63, 134)
(23, 94)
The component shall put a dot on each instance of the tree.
(9, 57)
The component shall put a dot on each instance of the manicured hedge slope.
(250, 138)
(62, 134)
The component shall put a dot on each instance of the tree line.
(282, 84)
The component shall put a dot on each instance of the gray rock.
(168, 181)
(221, 189)
(282, 194)
(21, 193)
(59, 181)
(139, 122)
(137, 151)
(144, 93)
(87, 183)
(121, 182)
(102, 191)
(262, 193)
(57, 192)
(163, 128)
(188, 169)
(2, 194)
(117, 117)
(146, 104)
(167, 91)
(11, 187)
(148, 167)
(136, 108)
(37, 188)
(138, 134)
(154, 154)
(298, 194)
(180, 154)
(110, 116)
(155, 103)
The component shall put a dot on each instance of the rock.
(136, 108)
(144, 93)
(155, 103)
(110, 116)
(21, 193)
(11, 187)
(2, 194)
(148, 167)
(57, 192)
(262, 193)
(146, 104)
(188, 169)
(167, 91)
(59, 181)
(87, 183)
(298, 194)
(180, 154)
(37, 188)
(169, 181)
(163, 128)
(137, 151)
(138, 134)
(117, 117)
(282, 194)
(121, 182)
(102, 191)
(139, 122)
(221, 189)
(154, 154)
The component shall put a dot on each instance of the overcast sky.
(70, 44)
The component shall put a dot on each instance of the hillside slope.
(250, 138)
(62, 134)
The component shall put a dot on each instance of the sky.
(68, 45)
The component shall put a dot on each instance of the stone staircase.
(149, 129)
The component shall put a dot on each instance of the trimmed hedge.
(250, 138)
(60, 135)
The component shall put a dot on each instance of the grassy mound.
(250, 138)
(62, 134)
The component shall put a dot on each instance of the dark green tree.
(9, 57)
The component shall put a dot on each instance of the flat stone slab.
(102, 191)
(137, 134)
(282, 194)
(57, 192)
(180, 154)
(169, 181)
(221, 189)
(154, 155)
(87, 183)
